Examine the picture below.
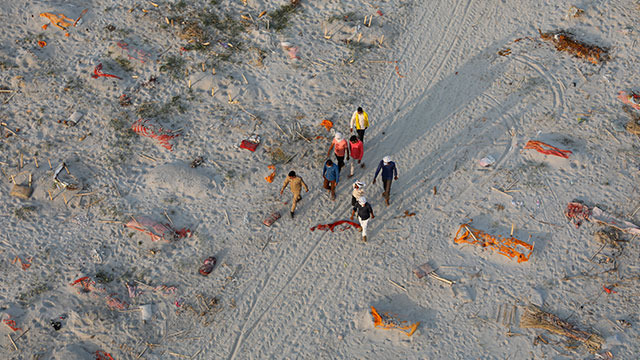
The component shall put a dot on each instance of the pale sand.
(286, 292)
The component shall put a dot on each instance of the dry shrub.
(633, 127)
(609, 236)
(565, 41)
(277, 155)
(192, 31)
(533, 317)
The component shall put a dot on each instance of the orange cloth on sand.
(327, 124)
(59, 20)
(273, 174)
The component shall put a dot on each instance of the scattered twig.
(167, 215)
(143, 351)
(397, 285)
(178, 355)
(147, 157)
(227, 217)
(13, 342)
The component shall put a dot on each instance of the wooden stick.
(178, 355)
(471, 232)
(245, 79)
(167, 215)
(111, 221)
(143, 351)
(512, 226)
(21, 335)
(6, 91)
(6, 101)
(196, 354)
(635, 211)
(12, 342)
(227, 217)
(21, 161)
(36, 160)
(50, 196)
(176, 333)
(67, 169)
(435, 276)
(147, 157)
(50, 168)
(500, 191)
(29, 180)
(213, 91)
(65, 199)
(398, 285)
(85, 194)
(93, 203)
(302, 136)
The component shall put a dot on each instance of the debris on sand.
(565, 41)
(533, 317)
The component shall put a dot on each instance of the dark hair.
(360, 110)
(292, 173)
(329, 163)
(353, 138)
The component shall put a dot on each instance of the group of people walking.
(353, 150)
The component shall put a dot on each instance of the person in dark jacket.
(331, 176)
(389, 173)
(365, 213)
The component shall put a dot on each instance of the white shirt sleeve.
(353, 118)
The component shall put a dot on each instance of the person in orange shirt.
(341, 148)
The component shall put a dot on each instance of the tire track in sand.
(245, 332)
(555, 85)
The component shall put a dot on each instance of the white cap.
(338, 136)
(386, 159)
(359, 184)
(362, 200)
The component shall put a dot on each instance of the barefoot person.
(296, 183)
(365, 213)
(340, 148)
(356, 149)
(360, 120)
(389, 173)
(331, 176)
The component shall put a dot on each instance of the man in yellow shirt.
(296, 188)
(360, 120)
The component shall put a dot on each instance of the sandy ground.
(440, 97)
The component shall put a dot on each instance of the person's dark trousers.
(340, 162)
(386, 186)
(361, 134)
